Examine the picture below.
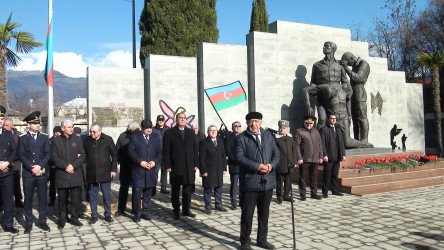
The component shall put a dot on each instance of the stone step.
(392, 177)
(393, 186)
(352, 158)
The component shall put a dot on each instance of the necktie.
(182, 133)
(215, 143)
(258, 140)
(147, 139)
(33, 136)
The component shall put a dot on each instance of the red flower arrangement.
(397, 161)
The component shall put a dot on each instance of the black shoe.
(207, 211)
(93, 220)
(303, 198)
(233, 207)
(245, 247)
(19, 204)
(266, 245)
(324, 195)
(60, 224)
(288, 199)
(164, 191)
(146, 217)
(44, 226)
(28, 229)
(82, 216)
(189, 214)
(316, 196)
(76, 222)
(10, 229)
(153, 193)
(337, 193)
(118, 213)
(222, 209)
(136, 219)
(279, 201)
(176, 216)
(109, 219)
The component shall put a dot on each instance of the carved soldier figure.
(358, 77)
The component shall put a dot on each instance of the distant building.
(74, 108)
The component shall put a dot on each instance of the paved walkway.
(411, 219)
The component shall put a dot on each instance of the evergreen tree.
(259, 17)
(176, 27)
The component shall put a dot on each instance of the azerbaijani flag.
(49, 59)
(226, 96)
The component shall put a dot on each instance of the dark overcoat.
(139, 151)
(34, 152)
(230, 147)
(333, 146)
(123, 157)
(65, 151)
(212, 161)
(101, 158)
(8, 151)
(287, 149)
(180, 155)
(308, 145)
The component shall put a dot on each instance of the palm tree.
(434, 61)
(24, 43)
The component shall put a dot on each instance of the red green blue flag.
(226, 96)
(49, 59)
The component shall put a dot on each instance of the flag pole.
(50, 86)
(216, 110)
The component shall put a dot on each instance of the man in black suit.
(101, 168)
(145, 151)
(233, 166)
(34, 152)
(57, 131)
(180, 155)
(212, 166)
(334, 152)
(8, 153)
(68, 155)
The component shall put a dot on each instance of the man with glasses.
(34, 152)
(258, 157)
(101, 168)
(233, 167)
(334, 152)
(309, 154)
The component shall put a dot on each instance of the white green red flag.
(226, 96)
(49, 59)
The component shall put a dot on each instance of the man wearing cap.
(287, 149)
(160, 128)
(258, 157)
(125, 163)
(57, 131)
(101, 168)
(145, 150)
(334, 152)
(180, 156)
(8, 153)
(309, 154)
(68, 155)
(34, 152)
(233, 166)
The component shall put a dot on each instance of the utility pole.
(134, 34)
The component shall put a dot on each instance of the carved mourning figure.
(330, 85)
(358, 77)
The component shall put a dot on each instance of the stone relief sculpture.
(330, 85)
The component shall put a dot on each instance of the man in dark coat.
(34, 151)
(309, 155)
(233, 166)
(8, 153)
(125, 163)
(57, 131)
(145, 151)
(258, 157)
(334, 152)
(212, 166)
(101, 168)
(18, 197)
(180, 155)
(287, 149)
(161, 128)
(68, 155)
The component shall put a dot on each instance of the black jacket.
(333, 147)
(212, 161)
(123, 157)
(101, 158)
(230, 147)
(34, 152)
(65, 151)
(180, 155)
(8, 151)
(287, 149)
(249, 156)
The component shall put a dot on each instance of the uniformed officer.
(34, 152)
(8, 153)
